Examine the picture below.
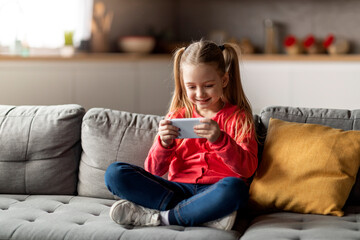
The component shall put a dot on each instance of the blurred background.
(42, 23)
(117, 53)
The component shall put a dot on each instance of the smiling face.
(204, 87)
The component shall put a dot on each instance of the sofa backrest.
(109, 136)
(39, 149)
(335, 118)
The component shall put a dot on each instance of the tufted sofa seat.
(75, 217)
(295, 226)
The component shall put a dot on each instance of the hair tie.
(222, 47)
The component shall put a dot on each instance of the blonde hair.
(225, 60)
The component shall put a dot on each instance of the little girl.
(208, 175)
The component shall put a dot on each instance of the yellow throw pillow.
(306, 168)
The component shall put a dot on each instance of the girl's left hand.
(209, 129)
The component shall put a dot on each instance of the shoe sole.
(127, 206)
(231, 223)
(113, 209)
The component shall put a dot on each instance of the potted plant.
(68, 49)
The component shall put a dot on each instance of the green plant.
(68, 35)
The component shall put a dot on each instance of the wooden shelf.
(302, 57)
(151, 57)
(89, 57)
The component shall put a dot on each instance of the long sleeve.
(239, 157)
(158, 159)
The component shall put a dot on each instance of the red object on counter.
(328, 41)
(289, 41)
(309, 41)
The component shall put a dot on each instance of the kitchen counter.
(135, 57)
(128, 82)
(88, 57)
(302, 57)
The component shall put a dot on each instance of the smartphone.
(186, 127)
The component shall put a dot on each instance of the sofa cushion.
(311, 162)
(289, 226)
(335, 118)
(109, 136)
(40, 149)
(82, 218)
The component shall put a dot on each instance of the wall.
(139, 17)
(193, 19)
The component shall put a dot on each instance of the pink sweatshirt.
(200, 161)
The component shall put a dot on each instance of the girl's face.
(204, 86)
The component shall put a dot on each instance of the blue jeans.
(189, 204)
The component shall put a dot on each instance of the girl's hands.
(167, 133)
(209, 129)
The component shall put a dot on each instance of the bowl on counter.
(136, 44)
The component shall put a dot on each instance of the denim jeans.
(189, 204)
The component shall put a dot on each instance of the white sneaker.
(226, 223)
(125, 212)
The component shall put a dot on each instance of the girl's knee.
(115, 173)
(235, 189)
(233, 183)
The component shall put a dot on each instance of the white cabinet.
(34, 83)
(107, 85)
(145, 84)
(265, 84)
(328, 85)
(320, 84)
(155, 86)
(140, 85)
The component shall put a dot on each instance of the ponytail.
(232, 68)
(234, 92)
(179, 99)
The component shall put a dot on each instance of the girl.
(208, 175)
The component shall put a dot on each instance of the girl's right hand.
(167, 133)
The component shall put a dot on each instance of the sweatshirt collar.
(225, 107)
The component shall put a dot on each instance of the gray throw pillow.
(39, 149)
(109, 136)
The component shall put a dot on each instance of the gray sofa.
(52, 164)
